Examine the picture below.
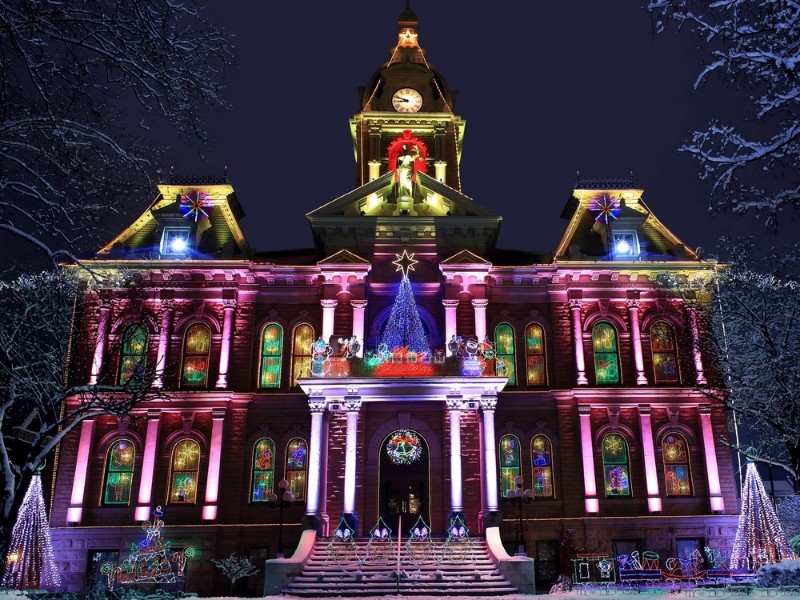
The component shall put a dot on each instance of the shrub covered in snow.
(786, 572)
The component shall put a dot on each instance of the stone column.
(456, 481)
(316, 405)
(700, 377)
(143, 508)
(450, 307)
(492, 510)
(590, 501)
(167, 306)
(229, 308)
(577, 338)
(75, 510)
(328, 308)
(358, 323)
(479, 306)
(712, 470)
(636, 341)
(103, 318)
(352, 405)
(214, 462)
(650, 471)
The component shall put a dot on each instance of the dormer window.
(175, 241)
(625, 244)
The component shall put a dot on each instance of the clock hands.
(403, 99)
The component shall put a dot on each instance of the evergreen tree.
(404, 328)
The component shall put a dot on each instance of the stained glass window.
(196, 350)
(184, 467)
(615, 466)
(263, 469)
(542, 463)
(404, 447)
(297, 467)
(302, 338)
(504, 346)
(119, 473)
(675, 453)
(509, 463)
(133, 354)
(665, 355)
(271, 348)
(606, 359)
(534, 355)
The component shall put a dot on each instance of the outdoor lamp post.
(518, 496)
(286, 500)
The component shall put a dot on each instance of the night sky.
(546, 89)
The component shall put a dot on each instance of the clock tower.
(407, 122)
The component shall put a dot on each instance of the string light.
(30, 563)
(404, 327)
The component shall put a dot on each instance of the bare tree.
(753, 46)
(87, 88)
(37, 409)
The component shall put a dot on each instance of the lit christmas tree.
(404, 328)
(30, 563)
(759, 536)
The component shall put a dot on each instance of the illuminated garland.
(404, 447)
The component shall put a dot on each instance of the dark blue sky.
(545, 89)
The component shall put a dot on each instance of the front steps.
(366, 567)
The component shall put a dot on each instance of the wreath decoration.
(404, 447)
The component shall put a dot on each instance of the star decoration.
(605, 207)
(408, 37)
(405, 262)
(194, 207)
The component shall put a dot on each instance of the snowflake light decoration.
(404, 447)
(194, 206)
(605, 207)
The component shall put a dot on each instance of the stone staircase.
(369, 567)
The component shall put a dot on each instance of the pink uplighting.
(592, 505)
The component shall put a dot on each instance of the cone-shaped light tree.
(759, 537)
(404, 328)
(30, 563)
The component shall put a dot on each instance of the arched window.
(297, 467)
(606, 359)
(616, 469)
(263, 470)
(665, 352)
(509, 463)
(504, 346)
(542, 463)
(196, 350)
(271, 349)
(675, 453)
(184, 467)
(534, 355)
(119, 473)
(302, 338)
(133, 354)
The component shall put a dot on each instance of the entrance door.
(546, 564)
(404, 481)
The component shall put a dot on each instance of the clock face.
(407, 100)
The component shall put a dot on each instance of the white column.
(479, 306)
(214, 462)
(167, 307)
(456, 482)
(636, 341)
(590, 501)
(75, 510)
(577, 339)
(358, 323)
(317, 408)
(352, 405)
(650, 472)
(148, 466)
(712, 470)
(700, 377)
(450, 307)
(488, 405)
(328, 308)
(229, 307)
(103, 318)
